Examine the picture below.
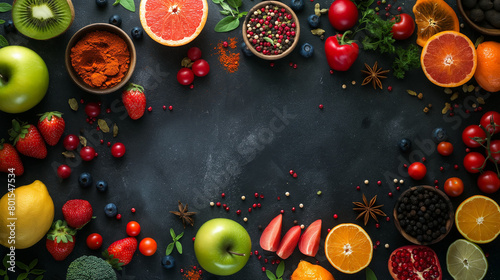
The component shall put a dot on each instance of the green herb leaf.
(2, 21)
(22, 266)
(234, 3)
(33, 263)
(116, 2)
(22, 276)
(37, 271)
(406, 59)
(170, 248)
(172, 233)
(128, 4)
(370, 275)
(227, 24)
(5, 260)
(226, 13)
(3, 272)
(242, 14)
(280, 270)
(3, 42)
(225, 6)
(39, 277)
(269, 40)
(5, 7)
(270, 275)
(179, 236)
(178, 245)
(217, 1)
(6, 277)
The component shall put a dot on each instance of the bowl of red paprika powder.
(100, 58)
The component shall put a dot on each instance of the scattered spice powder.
(192, 273)
(228, 59)
(101, 59)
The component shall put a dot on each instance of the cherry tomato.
(454, 187)
(343, 14)
(486, 121)
(417, 170)
(92, 109)
(87, 153)
(200, 68)
(118, 150)
(94, 241)
(473, 161)
(194, 53)
(470, 132)
(71, 142)
(148, 246)
(495, 151)
(403, 27)
(63, 171)
(133, 228)
(185, 76)
(488, 182)
(445, 148)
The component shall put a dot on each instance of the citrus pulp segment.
(478, 219)
(173, 22)
(348, 248)
(466, 261)
(449, 59)
(432, 17)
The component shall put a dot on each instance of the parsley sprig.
(232, 13)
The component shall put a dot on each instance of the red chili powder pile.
(228, 59)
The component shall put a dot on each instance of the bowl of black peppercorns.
(271, 30)
(423, 215)
(482, 15)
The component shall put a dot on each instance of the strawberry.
(51, 126)
(9, 159)
(27, 140)
(60, 240)
(134, 100)
(77, 212)
(120, 252)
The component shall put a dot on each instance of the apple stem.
(237, 254)
(2, 80)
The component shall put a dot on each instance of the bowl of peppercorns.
(423, 215)
(271, 30)
(482, 15)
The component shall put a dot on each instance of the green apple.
(222, 246)
(24, 79)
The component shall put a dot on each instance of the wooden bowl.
(449, 223)
(483, 30)
(100, 27)
(297, 30)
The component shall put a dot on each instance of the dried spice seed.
(446, 108)
(375, 74)
(368, 209)
(411, 92)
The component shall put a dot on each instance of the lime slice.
(466, 261)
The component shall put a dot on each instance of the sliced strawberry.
(289, 242)
(309, 241)
(270, 238)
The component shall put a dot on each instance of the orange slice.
(432, 17)
(308, 271)
(449, 59)
(173, 22)
(348, 248)
(478, 219)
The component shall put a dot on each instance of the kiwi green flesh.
(42, 19)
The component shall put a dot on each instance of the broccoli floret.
(90, 268)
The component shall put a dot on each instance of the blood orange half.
(173, 22)
(449, 59)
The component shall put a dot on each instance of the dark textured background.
(228, 135)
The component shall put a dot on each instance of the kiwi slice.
(42, 19)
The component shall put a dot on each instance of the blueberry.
(101, 3)
(405, 145)
(115, 20)
(8, 26)
(313, 21)
(306, 50)
(85, 180)
(167, 261)
(246, 51)
(110, 210)
(136, 33)
(439, 135)
(101, 186)
(297, 5)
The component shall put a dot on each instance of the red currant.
(63, 171)
(185, 76)
(194, 53)
(118, 150)
(200, 68)
(87, 153)
(71, 142)
(92, 109)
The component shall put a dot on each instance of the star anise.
(374, 75)
(184, 215)
(368, 209)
